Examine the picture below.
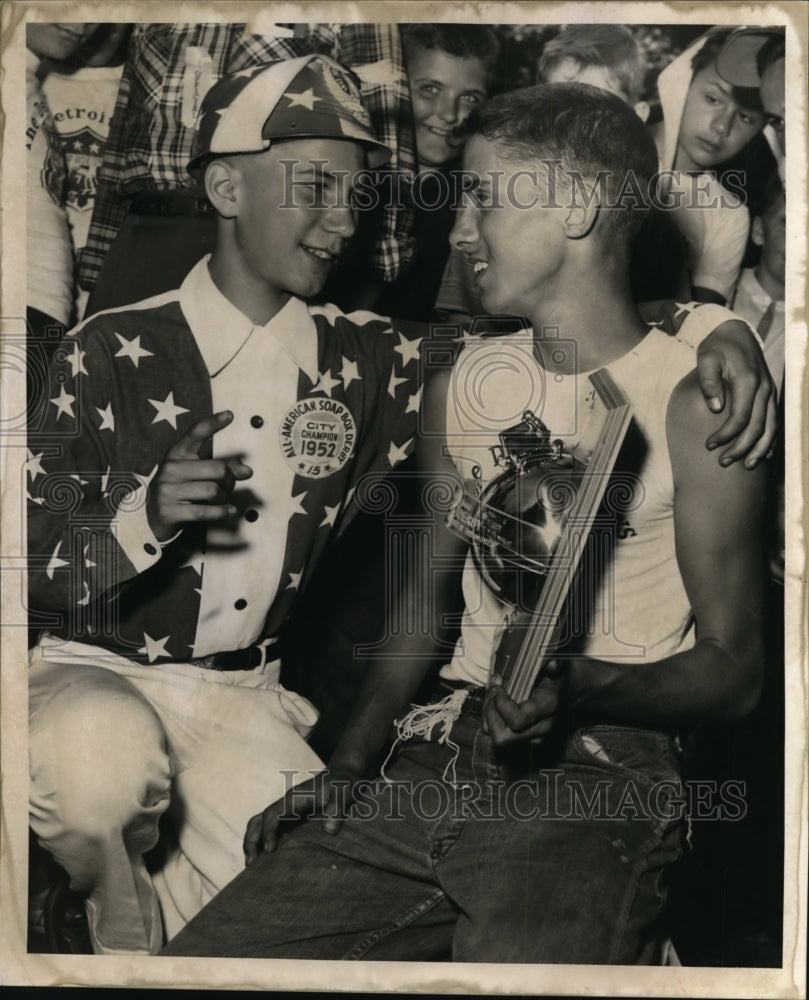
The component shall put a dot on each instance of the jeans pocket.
(646, 753)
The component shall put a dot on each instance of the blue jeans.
(558, 854)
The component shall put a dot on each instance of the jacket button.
(257, 421)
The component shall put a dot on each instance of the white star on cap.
(409, 349)
(349, 372)
(55, 561)
(107, 418)
(306, 99)
(325, 382)
(414, 402)
(167, 410)
(131, 349)
(34, 466)
(396, 455)
(64, 403)
(394, 382)
(331, 515)
(76, 360)
(154, 647)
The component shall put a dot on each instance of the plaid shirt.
(149, 145)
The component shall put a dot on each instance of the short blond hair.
(611, 46)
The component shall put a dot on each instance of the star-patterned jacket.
(320, 400)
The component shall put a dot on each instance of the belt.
(241, 659)
(169, 203)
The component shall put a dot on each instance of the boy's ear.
(221, 187)
(757, 231)
(582, 213)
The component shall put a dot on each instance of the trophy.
(528, 527)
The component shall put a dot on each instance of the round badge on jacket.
(317, 437)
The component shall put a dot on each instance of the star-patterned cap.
(736, 61)
(310, 97)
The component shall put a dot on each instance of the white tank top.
(637, 609)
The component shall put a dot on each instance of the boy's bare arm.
(719, 550)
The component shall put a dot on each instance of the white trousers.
(114, 744)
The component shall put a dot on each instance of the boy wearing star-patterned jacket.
(131, 383)
(197, 451)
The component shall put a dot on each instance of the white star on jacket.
(398, 454)
(331, 515)
(349, 372)
(107, 418)
(394, 382)
(64, 403)
(167, 410)
(76, 361)
(33, 465)
(325, 382)
(297, 501)
(414, 402)
(409, 349)
(154, 647)
(131, 349)
(55, 561)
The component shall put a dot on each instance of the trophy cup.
(527, 528)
